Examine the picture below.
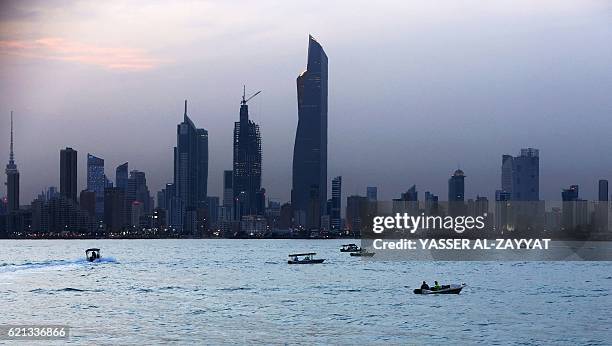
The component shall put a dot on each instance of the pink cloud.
(126, 59)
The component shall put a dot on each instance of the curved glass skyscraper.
(309, 192)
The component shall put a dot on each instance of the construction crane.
(244, 98)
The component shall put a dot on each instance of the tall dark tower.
(603, 190)
(12, 178)
(68, 174)
(456, 186)
(309, 191)
(603, 207)
(336, 203)
(247, 161)
(190, 172)
(456, 193)
(121, 176)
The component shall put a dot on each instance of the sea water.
(243, 291)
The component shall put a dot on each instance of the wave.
(60, 290)
(231, 289)
(50, 264)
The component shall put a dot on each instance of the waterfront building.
(12, 178)
(114, 209)
(246, 180)
(68, 174)
(372, 193)
(190, 174)
(121, 176)
(87, 201)
(336, 204)
(309, 177)
(96, 181)
(602, 210)
(357, 208)
(521, 175)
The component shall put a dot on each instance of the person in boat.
(436, 286)
(307, 258)
(295, 259)
(424, 286)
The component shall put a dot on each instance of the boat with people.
(444, 289)
(363, 253)
(92, 254)
(350, 248)
(304, 258)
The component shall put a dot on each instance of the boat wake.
(51, 264)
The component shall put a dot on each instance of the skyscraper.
(190, 171)
(571, 194)
(574, 211)
(114, 209)
(521, 175)
(121, 176)
(456, 193)
(506, 174)
(226, 214)
(456, 186)
(12, 178)
(138, 191)
(87, 202)
(372, 193)
(431, 203)
(407, 203)
(247, 161)
(96, 181)
(68, 174)
(411, 195)
(212, 203)
(309, 185)
(336, 203)
(356, 213)
(51, 192)
(520, 180)
(603, 190)
(603, 207)
(228, 190)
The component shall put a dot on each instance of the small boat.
(350, 248)
(444, 289)
(308, 258)
(363, 253)
(92, 254)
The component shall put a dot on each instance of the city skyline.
(184, 207)
(98, 174)
(417, 100)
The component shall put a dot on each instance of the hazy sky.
(416, 88)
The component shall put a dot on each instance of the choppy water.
(242, 291)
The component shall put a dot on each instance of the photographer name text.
(461, 244)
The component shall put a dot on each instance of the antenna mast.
(12, 154)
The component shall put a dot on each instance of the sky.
(416, 88)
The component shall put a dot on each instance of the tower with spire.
(190, 174)
(247, 163)
(12, 178)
